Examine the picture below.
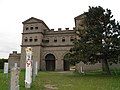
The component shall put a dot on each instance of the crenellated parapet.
(60, 31)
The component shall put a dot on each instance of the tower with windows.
(32, 36)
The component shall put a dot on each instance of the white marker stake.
(5, 67)
(36, 67)
(28, 74)
(15, 65)
(81, 69)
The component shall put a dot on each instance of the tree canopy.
(100, 41)
(2, 62)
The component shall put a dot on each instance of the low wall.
(14, 58)
(94, 67)
(88, 67)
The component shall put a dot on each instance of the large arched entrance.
(66, 64)
(50, 62)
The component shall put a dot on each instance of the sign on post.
(28, 73)
(5, 67)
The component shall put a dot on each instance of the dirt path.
(50, 87)
(70, 72)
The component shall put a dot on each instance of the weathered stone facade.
(49, 46)
(14, 58)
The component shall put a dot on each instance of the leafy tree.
(2, 62)
(100, 42)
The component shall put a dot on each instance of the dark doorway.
(66, 65)
(66, 62)
(50, 62)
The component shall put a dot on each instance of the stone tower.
(32, 36)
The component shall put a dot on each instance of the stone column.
(14, 81)
(59, 65)
(43, 65)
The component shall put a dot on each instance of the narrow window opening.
(36, 27)
(30, 39)
(71, 39)
(47, 40)
(55, 39)
(63, 39)
(26, 28)
(31, 28)
(26, 40)
(35, 40)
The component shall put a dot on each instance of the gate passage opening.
(50, 62)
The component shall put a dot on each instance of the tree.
(101, 40)
(2, 62)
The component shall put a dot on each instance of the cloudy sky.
(55, 13)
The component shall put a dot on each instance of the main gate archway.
(50, 62)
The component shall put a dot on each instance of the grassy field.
(66, 81)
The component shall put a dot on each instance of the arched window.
(31, 28)
(26, 39)
(30, 39)
(36, 27)
(27, 28)
(55, 39)
(71, 39)
(63, 39)
(46, 40)
(35, 39)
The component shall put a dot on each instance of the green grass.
(68, 81)
(4, 80)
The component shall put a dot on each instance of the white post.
(81, 69)
(36, 68)
(15, 65)
(5, 67)
(28, 73)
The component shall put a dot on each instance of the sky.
(55, 13)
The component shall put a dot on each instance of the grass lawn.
(67, 81)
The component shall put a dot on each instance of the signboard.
(5, 67)
(28, 73)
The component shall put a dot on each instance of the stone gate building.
(49, 46)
